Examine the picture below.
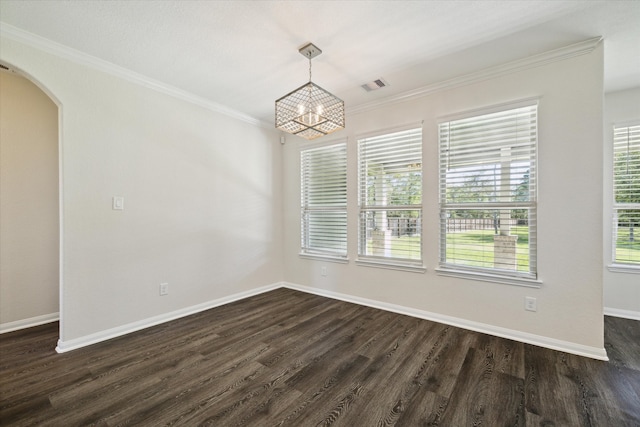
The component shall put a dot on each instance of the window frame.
(307, 250)
(389, 262)
(528, 278)
(616, 265)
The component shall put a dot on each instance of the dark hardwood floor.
(290, 358)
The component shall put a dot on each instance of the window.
(390, 197)
(626, 188)
(324, 200)
(488, 193)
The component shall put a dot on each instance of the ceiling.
(244, 54)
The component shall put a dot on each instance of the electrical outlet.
(164, 289)
(530, 304)
(323, 271)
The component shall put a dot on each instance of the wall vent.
(375, 85)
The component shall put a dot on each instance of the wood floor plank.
(199, 385)
(396, 368)
(289, 358)
(319, 393)
(298, 367)
(179, 403)
(591, 378)
(337, 334)
(478, 386)
(622, 342)
(422, 398)
(550, 392)
(443, 362)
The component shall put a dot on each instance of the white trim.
(625, 124)
(488, 277)
(61, 263)
(490, 109)
(392, 129)
(391, 265)
(552, 343)
(624, 268)
(566, 52)
(64, 346)
(322, 144)
(28, 323)
(625, 314)
(328, 258)
(62, 51)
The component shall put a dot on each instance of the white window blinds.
(390, 196)
(324, 200)
(626, 185)
(488, 192)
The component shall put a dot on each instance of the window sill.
(413, 268)
(624, 268)
(488, 277)
(328, 258)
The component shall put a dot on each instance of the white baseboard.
(541, 341)
(64, 346)
(626, 314)
(552, 343)
(28, 323)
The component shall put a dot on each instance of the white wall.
(570, 211)
(28, 203)
(621, 290)
(202, 198)
(208, 199)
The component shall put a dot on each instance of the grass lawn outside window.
(627, 251)
(480, 254)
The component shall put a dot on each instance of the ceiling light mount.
(310, 51)
(310, 111)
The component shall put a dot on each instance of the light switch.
(118, 203)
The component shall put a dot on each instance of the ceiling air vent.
(375, 85)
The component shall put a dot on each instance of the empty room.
(302, 213)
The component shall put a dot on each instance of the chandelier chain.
(309, 69)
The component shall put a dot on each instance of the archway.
(30, 219)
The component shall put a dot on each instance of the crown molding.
(560, 54)
(76, 56)
(81, 58)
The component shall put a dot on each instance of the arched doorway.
(29, 203)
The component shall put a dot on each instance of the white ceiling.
(243, 54)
